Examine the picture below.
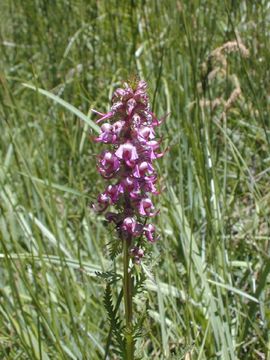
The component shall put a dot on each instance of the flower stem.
(127, 286)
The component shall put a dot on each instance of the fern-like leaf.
(115, 248)
(110, 277)
(139, 280)
(115, 322)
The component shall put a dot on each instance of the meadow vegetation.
(206, 294)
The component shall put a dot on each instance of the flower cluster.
(129, 129)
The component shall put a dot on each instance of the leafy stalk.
(127, 286)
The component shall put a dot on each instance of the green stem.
(127, 286)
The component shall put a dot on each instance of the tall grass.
(207, 291)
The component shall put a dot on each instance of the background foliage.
(207, 288)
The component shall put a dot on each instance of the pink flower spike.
(107, 135)
(128, 92)
(145, 207)
(157, 122)
(106, 127)
(129, 129)
(131, 104)
(141, 169)
(97, 112)
(103, 202)
(153, 144)
(117, 107)
(108, 164)
(113, 217)
(127, 152)
(137, 254)
(135, 195)
(161, 154)
(142, 86)
(107, 116)
(132, 227)
(113, 192)
(149, 231)
(146, 133)
(118, 126)
(119, 93)
(103, 116)
(140, 253)
(149, 186)
(130, 184)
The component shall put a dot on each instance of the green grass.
(207, 291)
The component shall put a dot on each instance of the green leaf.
(65, 104)
(234, 290)
(53, 185)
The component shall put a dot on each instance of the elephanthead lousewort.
(128, 129)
